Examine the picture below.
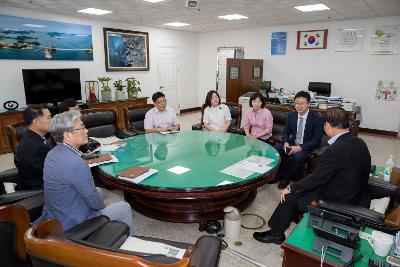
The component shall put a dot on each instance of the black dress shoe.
(283, 184)
(269, 237)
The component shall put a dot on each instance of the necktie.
(299, 134)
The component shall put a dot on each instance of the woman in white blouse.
(217, 116)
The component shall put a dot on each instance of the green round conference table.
(211, 161)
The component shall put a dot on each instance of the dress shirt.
(160, 119)
(304, 123)
(217, 116)
(258, 121)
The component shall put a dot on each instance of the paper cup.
(382, 243)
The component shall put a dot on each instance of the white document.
(106, 140)
(254, 167)
(225, 182)
(260, 160)
(169, 132)
(108, 148)
(114, 159)
(236, 171)
(178, 169)
(139, 178)
(144, 246)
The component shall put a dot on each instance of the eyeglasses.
(161, 101)
(82, 129)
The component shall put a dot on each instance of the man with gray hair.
(70, 194)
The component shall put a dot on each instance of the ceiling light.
(34, 25)
(309, 8)
(154, 1)
(232, 17)
(94, 11)
(176, 24)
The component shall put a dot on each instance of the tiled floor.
(264, 204)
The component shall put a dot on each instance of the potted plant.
(119, 90)
(264, 87)
(106, 89)
(133, 87)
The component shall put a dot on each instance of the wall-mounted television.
(51, 85)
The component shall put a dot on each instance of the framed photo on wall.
(313, 39)
(126, 50)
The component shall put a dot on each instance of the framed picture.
(36, 39)
(126, 50)
(257, 72)
(234, 73)
(314, 39)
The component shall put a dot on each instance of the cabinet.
(7, 118)
(119, 105)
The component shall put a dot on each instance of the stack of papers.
(169, 132)
(108, 148)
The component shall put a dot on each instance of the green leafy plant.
(261, 85)
(119, 86)
(133, 85)
(104, 83)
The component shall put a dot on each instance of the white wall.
(11, 76)
(352, 74)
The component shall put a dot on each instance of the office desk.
(298, 249)
(193, 196)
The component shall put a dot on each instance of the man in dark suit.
(302, 133)
(33, 148)
(341, 175)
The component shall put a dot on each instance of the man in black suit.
(33, 148)
(302, 133)
(341, 175)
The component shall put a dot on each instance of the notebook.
(100, 158)
(133, 172)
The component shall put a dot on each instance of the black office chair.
(100, 240)
(103, 122)
(320, 88)
(134, 117)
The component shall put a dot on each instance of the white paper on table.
(169, 132)
(225, 182)
(139, 178)
(113, 159)
(254, 167)
(236, 171)
(144, 246)
(260, 160)
(106, 140)
(108, 148)
(178, 169)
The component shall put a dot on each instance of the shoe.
(269, 237)
(283, 184)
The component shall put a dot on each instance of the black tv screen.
(51, 85)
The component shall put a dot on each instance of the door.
(240, 74)
(168, 70)
(222, 55)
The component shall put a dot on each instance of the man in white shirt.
(160, 118)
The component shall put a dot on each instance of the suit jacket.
(313, 131)
(29, 159)
(342, 173)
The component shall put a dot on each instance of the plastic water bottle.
(388, 168)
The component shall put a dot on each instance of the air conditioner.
(192, 3)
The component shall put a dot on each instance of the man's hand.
(283, 193)
(160, 129)
(295, 149)
(286, 144)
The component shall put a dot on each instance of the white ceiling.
(261, 13)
